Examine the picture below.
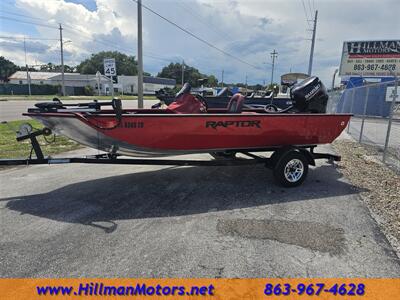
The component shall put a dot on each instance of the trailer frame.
(273, 162)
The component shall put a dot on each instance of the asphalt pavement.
(155, 221)
(374, 131)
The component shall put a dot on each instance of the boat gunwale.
(100, 114)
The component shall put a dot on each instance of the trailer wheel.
(291, 168)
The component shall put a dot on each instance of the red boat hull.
(190, 133)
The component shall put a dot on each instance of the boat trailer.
(289, 163)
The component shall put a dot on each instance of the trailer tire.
(291, 168)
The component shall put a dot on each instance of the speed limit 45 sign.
(109, 67)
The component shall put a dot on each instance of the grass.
(10, 148)
(50, 97)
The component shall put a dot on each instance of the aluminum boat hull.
(151, 134)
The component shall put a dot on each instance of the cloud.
(249, 29)
(31, 46)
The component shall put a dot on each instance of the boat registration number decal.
(131, 125)
(226, 124)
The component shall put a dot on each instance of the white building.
(74, 82)
(129, 84)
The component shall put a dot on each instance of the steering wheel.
(202, 100)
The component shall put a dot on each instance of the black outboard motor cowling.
(310, 96)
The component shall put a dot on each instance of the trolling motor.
(56, 105)
(90, 107)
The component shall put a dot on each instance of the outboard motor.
(310, 96)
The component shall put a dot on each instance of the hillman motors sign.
(370, 58)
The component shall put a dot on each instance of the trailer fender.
(309, 156)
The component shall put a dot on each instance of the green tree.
(257, 87)
(88, 90)
(126, 65)
(7, 68)
(191, 75)
(212, 81)
(50, 67)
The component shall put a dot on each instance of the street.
(153, 221)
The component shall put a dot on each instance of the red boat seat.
(186, 104)
(235, 105)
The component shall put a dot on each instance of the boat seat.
(235, 105)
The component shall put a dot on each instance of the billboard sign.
(109, 67)
(370, 58)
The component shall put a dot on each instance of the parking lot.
(152, 221)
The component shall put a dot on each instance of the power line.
(305, 12)
(200, 19)
(27, 38)
(116, 47)
(27, 22)
(196, 37)
(75, 30)
(21, 15)
(109, 43)
(309, 6)
(20, 46)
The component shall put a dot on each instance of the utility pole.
(62, 62)
(98, 75)
(183, 72)
(28, 78)
(274, 55)
(222, 78)
(312, 44)
(140, 55)
(246, 83)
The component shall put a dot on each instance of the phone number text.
(316, 289)
(374, 67)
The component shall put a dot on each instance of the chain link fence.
(376, 117)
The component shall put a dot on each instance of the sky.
(246, 30)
